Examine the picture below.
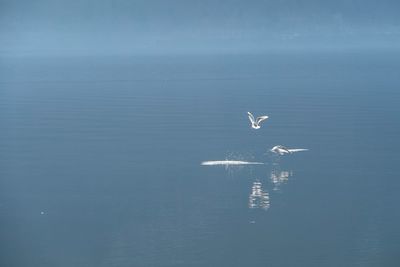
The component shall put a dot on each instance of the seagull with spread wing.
(281, 150)
(255, 123)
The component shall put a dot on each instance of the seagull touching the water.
(255, 123)
(281, 150)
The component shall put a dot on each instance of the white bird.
(281, 150)
(255, 123)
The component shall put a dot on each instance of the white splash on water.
(229, 162)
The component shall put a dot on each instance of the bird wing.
(261, 118)
(297, 150)
(251, 117)
(284, 149)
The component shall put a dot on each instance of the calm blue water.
(100, 160)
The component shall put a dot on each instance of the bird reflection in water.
(279, 177)
(259, 198)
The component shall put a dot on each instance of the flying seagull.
(281, 150)
(255, 124)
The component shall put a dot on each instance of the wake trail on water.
(229, 162)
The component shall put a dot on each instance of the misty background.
(178, 26)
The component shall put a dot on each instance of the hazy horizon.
(125, 27)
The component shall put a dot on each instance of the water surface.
(100, 160)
